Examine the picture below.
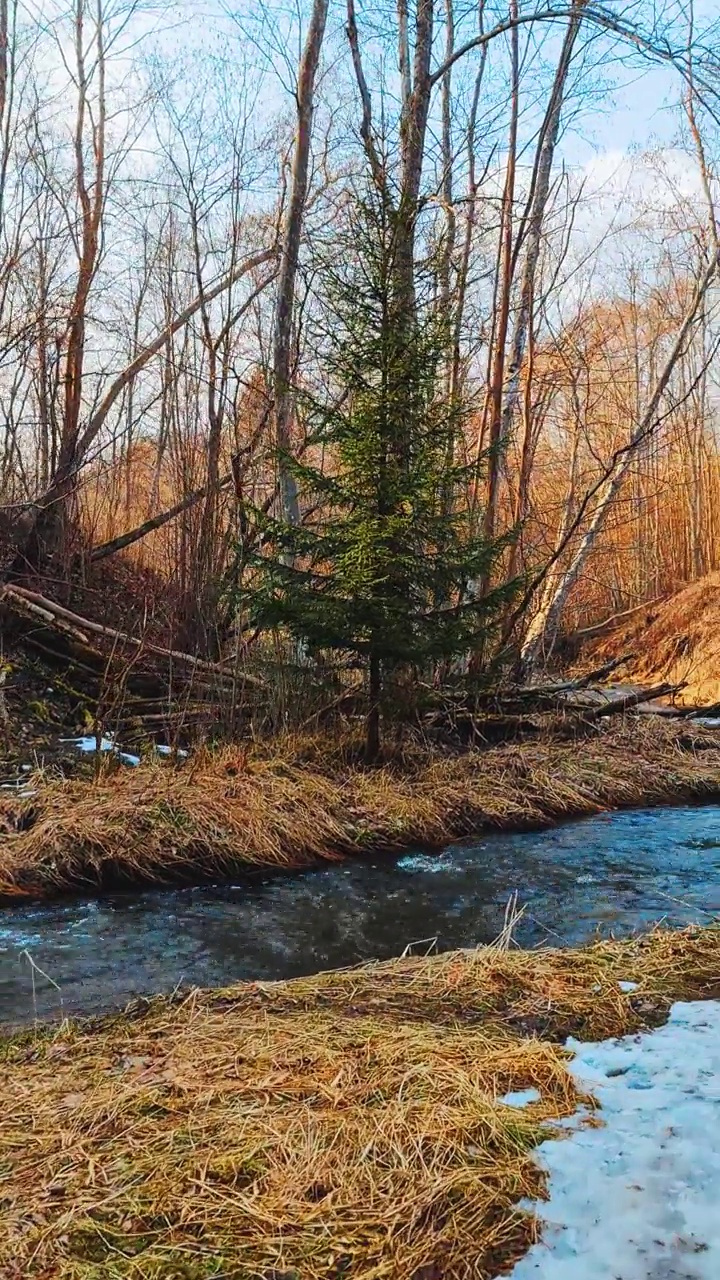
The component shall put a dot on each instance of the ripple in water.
(611, 874)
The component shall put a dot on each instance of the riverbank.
(220, 813)
(349, 1124)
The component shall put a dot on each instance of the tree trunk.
(470, 221)
(35, 526)
(540, 190)
(292, 231)
(91, 192)
(544, 625)
(503, 291)
(413, 128)
(448, 245)
(372, 732)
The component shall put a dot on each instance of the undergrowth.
(292, 803)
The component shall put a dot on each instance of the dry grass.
(347, 1125)
(222, 811)
(677, 640)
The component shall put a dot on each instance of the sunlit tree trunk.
(543, 627)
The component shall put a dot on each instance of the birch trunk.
(544, 626)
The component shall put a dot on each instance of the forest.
(337, 360)
(359, 639)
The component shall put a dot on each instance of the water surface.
(610, 874)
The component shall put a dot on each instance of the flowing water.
(614, 873)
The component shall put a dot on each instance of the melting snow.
(20, 787)
(521, 1097)
(637, 1199)
(163, 750)
(89, 744)
(106, 744)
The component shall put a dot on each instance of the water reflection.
(612, 873)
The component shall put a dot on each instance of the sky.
(625, 111)
(639, 112)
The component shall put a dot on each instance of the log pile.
(565, 707)
(138, 683)
(145, 688)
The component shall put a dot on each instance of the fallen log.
(512, 697)
(628, 701)
(713, 710)
(48, 619)
(600, 673)
(544, 697)
(56, 616)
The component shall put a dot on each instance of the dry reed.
(222, 812)
(347, 1125)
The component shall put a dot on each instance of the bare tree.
(292, 232)
(560, 582)
(534, 219)
(503, 292)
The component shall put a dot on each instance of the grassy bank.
(347, 1125)
(221, 812)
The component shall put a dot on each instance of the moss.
(40, 710)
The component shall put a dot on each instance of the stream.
(611, 874)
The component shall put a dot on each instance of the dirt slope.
(677, 639)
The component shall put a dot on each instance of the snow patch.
(89, 744)
(637, 1198)
(163, 750)
(628, 986)
(20, 788)
(521, 1098)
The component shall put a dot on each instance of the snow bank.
(638, 1198)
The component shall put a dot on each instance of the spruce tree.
(379, 570)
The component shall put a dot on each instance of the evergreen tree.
(380, 570)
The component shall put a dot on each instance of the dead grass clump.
(553, 992)
(222, 811)
(347, 1125)
(303, 1146)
